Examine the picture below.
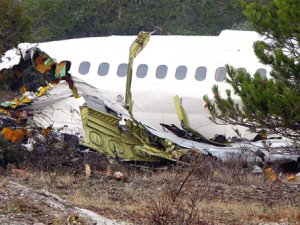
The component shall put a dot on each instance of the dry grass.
(104, 202)
(246, 213)
(207, 192)
(46, 180)
(186, 211)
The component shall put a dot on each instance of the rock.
(50, 208)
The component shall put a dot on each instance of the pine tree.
(271, 104)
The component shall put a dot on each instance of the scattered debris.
(220, 139)
(291, 178)
(14, 135)
(298, 177)
(193, 134)
(257, 170)
(270, 173)
(118, 175)
(29, 75)
(290, 166)
(87, 171)
(261, 136)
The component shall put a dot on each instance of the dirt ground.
(205, 192)
(22, 205)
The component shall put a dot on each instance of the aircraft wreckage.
(43, 92)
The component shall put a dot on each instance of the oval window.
(142, 70)
(242, 69)
(84, 68)
(220, 74)
(122, 70)
(200, 74)
(103, 69)
(181, 72)
(161, 71)
(262, 72)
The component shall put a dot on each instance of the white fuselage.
(97, 61)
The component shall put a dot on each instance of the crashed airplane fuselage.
(187, 66)
(87, 76)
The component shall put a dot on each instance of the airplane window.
(122, 70)
(142, 70)
(242, 69)
(161, 71)
(84, 68)
(180, 72)
(200, 74)
(262, 73)
(220, 74)
(103, 69)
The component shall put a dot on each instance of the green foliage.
(47, 20)
(14, 25)
(272, 104)
(61, 19)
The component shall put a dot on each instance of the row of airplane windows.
(161, 71)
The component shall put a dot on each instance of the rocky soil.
(22, 205)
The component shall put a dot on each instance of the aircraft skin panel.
(153, 97)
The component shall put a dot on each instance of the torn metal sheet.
(104, 132)
(47, 111)
(137, 46)
(59, 109)
(277, 147)
(13, 56)
(14, 135)
(27, 74)
(130, 141)
(33, 75)
(185, 123)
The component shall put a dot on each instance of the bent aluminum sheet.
(247, 148)
(58, 108)
(13, 56)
